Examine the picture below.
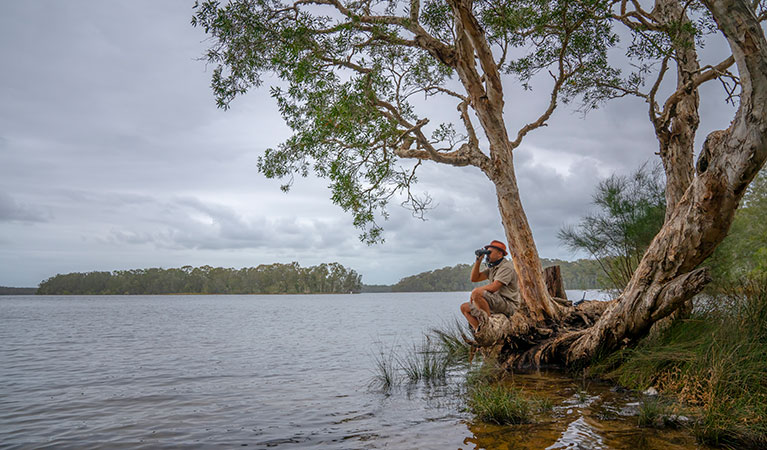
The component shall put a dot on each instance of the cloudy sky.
(114, 156)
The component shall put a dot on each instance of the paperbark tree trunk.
(667, 276)
(485, 92)
(676, 129)
(523, 251)
(730, 159)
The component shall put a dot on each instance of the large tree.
(350, 72)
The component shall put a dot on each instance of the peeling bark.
(485, 92)
(524, 254)
(667, 277)
(675, 129)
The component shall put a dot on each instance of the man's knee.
(465, 308)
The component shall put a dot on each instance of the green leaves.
(347, 73)
(631, 211)
(744, 251)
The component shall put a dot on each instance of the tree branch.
(709, 74)
(475, 33)
(559, 81)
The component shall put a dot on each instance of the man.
(501, 295)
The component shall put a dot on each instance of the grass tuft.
(655, 412)
(426, 362)
(714, 362)
(501, 404)
(451, 337)
(385, 373)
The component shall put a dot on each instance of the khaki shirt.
(505, 273)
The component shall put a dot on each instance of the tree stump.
(553, 278)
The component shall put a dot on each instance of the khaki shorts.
(498, 304)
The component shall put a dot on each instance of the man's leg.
(466, 310)
(479, 300)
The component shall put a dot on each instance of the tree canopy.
(355, 76)
(351, 70)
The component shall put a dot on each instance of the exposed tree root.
(521, 342)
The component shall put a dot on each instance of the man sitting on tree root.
(501, 295)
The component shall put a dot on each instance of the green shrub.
(501, 404)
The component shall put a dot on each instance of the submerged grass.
(429, 361)
(385, 374)
(714, 361)
(502, 404)
(656, 412)
(426, 362)
(492, 397)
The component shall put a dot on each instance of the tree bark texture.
(554, 284)
(485, 92)
(730, 159)
(675, 128)
(540, 305)
(667, 276)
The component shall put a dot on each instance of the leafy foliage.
(264, 279)
(349, 73)
(631, 211)
(743, 252)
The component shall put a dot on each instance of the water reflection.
(585, 416)
(579, 434)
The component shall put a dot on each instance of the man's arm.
(476, 275)
(492, 287)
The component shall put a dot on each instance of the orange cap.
(499, 245)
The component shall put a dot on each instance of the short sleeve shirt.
(505, 273)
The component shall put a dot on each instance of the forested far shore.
(278, 278)
(580, 274)
(332, 278)
(7, 290)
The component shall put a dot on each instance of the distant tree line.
(265, 279)
(580, 274)
(5, 290)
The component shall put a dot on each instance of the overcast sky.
(113, 155)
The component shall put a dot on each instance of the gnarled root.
(521, 342)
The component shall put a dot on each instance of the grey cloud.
(13, 211)
(189, 223)
(108, 125)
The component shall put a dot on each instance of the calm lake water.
(261, 371)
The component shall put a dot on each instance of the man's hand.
(476, 275)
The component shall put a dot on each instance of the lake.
(260, 371)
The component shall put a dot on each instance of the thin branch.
(708, 74)
(653, 112)
(559, 81)
(463, 107)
